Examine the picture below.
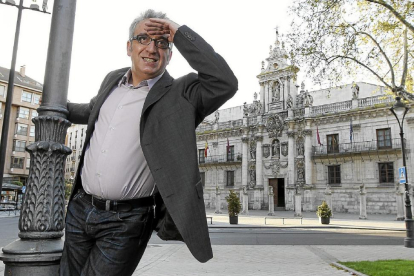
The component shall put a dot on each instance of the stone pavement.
(175, 259)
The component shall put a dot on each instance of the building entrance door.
(278, 185)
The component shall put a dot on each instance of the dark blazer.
(171, 112)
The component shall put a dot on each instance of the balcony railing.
(223, 158)
(357, 147)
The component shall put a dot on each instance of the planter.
(324, 220)
(234, 220)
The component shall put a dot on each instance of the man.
(138, 169)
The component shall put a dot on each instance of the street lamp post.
(399, 109)
(41, 223)
(10, 86)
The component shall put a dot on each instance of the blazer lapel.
(157, 91)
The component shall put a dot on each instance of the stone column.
(362, 202)
(298, 203)
(218, 202)
(259, 161)
(41, 224)
(266, 96)
(328, 198)
(399, 194)
(245, 165)
(262, 97)
(271, 202)
(291, 157)
(308, 156)
(245, 206)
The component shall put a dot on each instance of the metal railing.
(354, 147)
(222, 158)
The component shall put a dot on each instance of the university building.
(27, 94)
(293, 148)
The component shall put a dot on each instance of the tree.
(337, 38)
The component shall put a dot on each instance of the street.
(263, 236)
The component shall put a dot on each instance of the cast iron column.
(41, 224)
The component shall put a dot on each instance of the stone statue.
(289, 102)
(275, 91)
(270, 190)
(253, 149)
(245, 109)
(355, 91)
(245, 190)
(301, 173)
(301, 149)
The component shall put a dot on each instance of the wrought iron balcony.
(358, 147)
(220, 159)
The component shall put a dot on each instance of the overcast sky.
(240, 32)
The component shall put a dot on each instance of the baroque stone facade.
(297, 145)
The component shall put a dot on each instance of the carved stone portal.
(274, 125)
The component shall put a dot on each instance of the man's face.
(148, 61)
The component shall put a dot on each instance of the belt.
(119, 205)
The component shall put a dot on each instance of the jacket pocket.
(199, 189)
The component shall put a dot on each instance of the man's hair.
(145, 15)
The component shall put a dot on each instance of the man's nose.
(151, 47)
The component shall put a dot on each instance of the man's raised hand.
(156, 26)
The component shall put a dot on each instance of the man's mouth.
(151, 60)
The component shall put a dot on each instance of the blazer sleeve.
(79, 112)
(215, 82)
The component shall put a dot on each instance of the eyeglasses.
(161, 43)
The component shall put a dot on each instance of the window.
(230, 178)
(230, 153)
(332, 141)
(201, 158)
(203, 178)
(37, 99)
(19, 145)
(34, 114)
(384, 138)
(21, 129)
(23, 113)
(28, 163)
(386, 172)
(27, 97)
(32, 131)
(17, 162)
(2, 91)
(334, 174)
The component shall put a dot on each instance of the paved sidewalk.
(256, 218)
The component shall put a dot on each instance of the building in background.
(75, 138)
(292, 148)
(27, 96)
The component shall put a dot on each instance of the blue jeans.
(101, 242)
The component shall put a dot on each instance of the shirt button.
(98, 174)
(111, 128)
(103, 151)
(120, 107)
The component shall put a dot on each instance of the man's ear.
(129, 48)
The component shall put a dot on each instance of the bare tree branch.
(405, 62)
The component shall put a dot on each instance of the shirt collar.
(149, 82)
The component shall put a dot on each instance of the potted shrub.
(324, 213)
(234, 207)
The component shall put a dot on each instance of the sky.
(240, 32)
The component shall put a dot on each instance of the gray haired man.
(138, 170)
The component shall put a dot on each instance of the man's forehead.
(140, 30)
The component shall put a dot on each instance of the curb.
(347, 269)
(306, 227)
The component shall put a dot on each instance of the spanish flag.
(205, 149)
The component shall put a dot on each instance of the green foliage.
(334, 39)
(17, 183)
(68, 188)
(383, 267)
(324, 211)
(234, 205)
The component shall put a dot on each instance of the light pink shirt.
(115, 167)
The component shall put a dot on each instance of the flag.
(351, 130)
(317, 136)
(228, 146)
(205, 149)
